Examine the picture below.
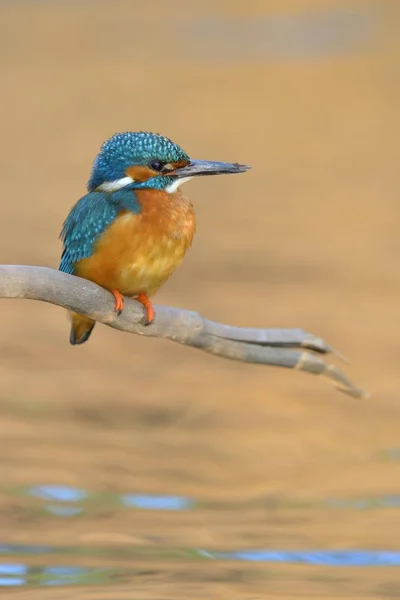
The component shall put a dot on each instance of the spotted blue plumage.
(123, 150)
(88, 219)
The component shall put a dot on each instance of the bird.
(133, 227)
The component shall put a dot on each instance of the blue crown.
(123, 150)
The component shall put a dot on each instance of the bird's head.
(137, 160)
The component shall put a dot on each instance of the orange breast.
(139, 252)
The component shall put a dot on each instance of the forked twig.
(290, 348)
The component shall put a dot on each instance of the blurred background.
(136, 468)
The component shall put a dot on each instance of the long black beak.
(206, 167)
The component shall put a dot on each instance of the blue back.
(88, 219)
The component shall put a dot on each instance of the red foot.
(119, 301)
(145, 300)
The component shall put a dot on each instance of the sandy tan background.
(311, 235)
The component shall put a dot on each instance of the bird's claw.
(146, 302)
(119, 301)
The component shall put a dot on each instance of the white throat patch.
(172, 187)
(118, 184)
(113, 186)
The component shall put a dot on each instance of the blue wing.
(88, 219)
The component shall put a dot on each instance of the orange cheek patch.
(140, 173)
(179, 163)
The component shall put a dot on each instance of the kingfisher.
(133, 227)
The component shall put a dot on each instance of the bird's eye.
(157, 165)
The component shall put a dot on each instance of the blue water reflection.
(63, 493)
(11, 581)
(63, 575)
(169, 502)
(152, 502)
(60, 493)
(10, 574)
(13, 575)
(13, 569)
(337, 558)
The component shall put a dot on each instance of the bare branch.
(276, 347)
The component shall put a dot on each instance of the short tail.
(81, 328)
